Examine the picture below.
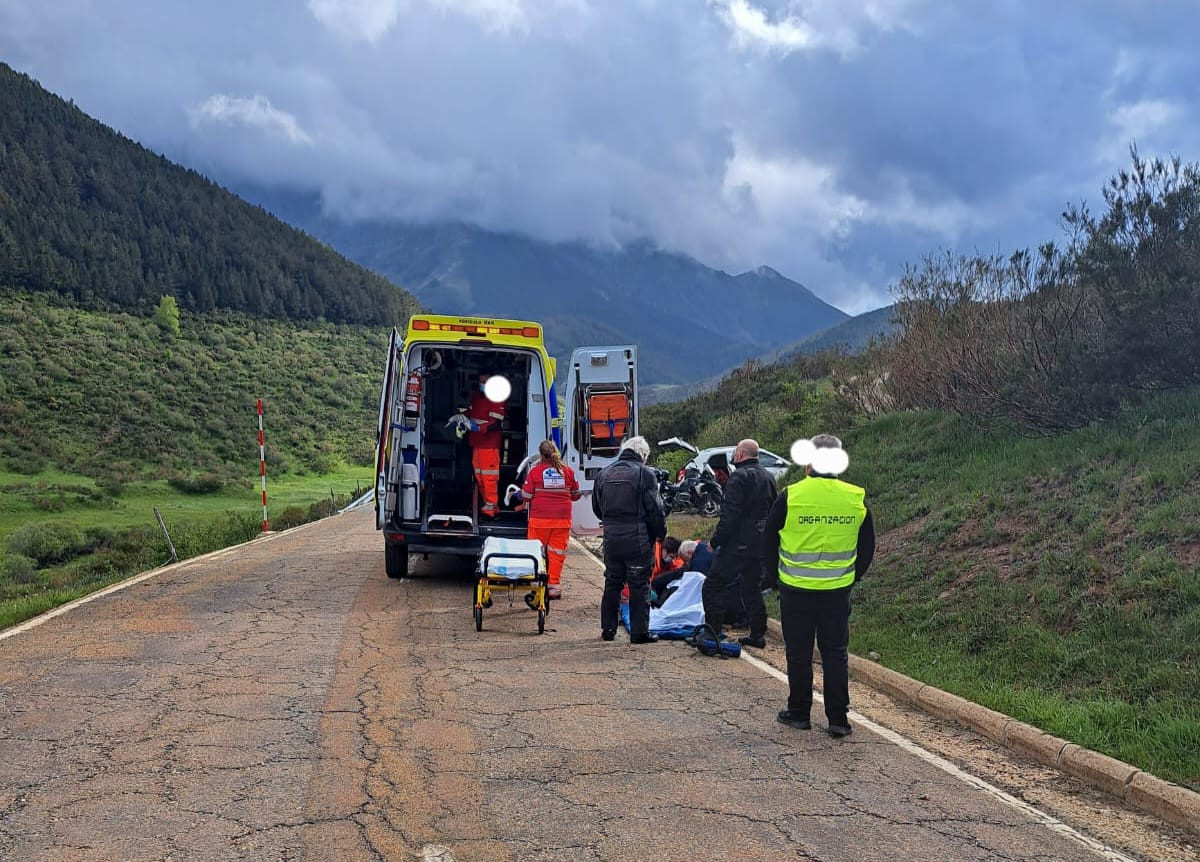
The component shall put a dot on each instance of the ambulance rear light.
(420, 325)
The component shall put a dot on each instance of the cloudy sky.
(832, 140)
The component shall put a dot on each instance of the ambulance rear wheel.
(395, 559)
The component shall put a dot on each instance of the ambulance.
(426, 501)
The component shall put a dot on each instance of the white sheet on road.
(683, 607)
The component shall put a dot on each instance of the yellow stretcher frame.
(537, 583)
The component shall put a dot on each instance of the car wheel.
(395, 559)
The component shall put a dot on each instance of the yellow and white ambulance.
(426, 500)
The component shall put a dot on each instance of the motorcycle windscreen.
(600, 414)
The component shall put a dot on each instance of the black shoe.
(839, 730)
(794, 719)
(608, 634)
(757, 642)
(643, 639)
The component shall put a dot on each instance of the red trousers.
(486, 462)
(554, 535)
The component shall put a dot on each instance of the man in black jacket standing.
(625, 499)
(737, 572)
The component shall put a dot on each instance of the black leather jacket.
(749, 493)
(625, 497)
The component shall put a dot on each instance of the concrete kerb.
(1172, 803)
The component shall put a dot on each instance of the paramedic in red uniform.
(485, 447)
(549, 489)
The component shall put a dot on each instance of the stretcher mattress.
(511, 567)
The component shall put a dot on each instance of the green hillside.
(1054, 580)
(90, 214)
(106, 416)
(113, 396)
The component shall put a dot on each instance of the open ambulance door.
(601, 412)
(390, 392)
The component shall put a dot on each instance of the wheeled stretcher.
(514, 565)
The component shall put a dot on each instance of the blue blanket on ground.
(670, 633)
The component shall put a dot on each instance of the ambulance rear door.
(385, 493)
(600, 412)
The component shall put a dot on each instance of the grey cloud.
(887, 131)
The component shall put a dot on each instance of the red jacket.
(489, 415)
(549, 492)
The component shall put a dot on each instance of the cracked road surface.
(285, 700)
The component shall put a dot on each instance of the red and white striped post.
(262, 464)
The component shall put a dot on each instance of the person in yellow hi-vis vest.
(820, 533)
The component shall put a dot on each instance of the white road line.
(436, 853)
(599, 562)
(1051, 823)
(946, 766)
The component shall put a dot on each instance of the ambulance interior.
(450, 375)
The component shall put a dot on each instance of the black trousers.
(618, 570)
(659, 584)
(733, 582)
(825, 614)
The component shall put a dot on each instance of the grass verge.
(89, 539)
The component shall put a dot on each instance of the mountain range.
(690, 321)
(852, 335)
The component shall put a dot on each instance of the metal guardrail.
(366, 497)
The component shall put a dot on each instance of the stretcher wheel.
(541, 622)
(479, 619)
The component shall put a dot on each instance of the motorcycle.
(697, 491)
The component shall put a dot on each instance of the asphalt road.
(285, 700)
